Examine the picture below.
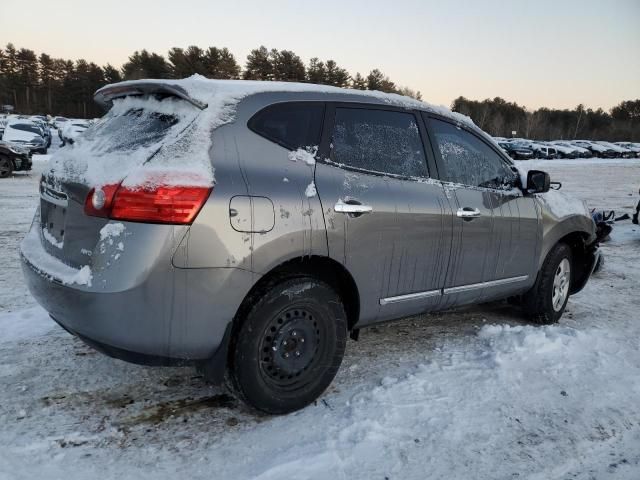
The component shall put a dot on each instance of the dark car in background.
(13, 158)
(516, 151)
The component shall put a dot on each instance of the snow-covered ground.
(471, 394)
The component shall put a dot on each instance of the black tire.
(289, 346)
(538, 303)
(6, 167)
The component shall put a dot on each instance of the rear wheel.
(289, 346)
(545, 302)
(6, 167)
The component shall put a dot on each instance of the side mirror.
(538, 181)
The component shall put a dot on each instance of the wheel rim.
(289, 346)
(561, 282)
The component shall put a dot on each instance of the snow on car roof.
(208, 92)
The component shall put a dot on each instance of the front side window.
(378, 141)
(292, 125)
(468, 160)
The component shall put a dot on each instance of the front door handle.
(352, 207)
(468, 213)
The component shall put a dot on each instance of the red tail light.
(149, 204)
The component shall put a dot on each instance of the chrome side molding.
(491, 283)
(452, 290)
(410, 296)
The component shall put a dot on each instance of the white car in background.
(72, 130)
(25, 133)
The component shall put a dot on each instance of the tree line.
(500, 118)
(35, 83)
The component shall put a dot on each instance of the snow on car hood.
(14, 135)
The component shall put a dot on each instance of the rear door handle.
(352, 207)
(468, 213)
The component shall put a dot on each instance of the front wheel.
(545, 303)
(289, 346)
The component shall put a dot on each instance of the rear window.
(132, 129)
(291, 125)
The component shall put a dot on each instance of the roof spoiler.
(105, 95)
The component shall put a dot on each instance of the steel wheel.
(561, 282)
(289, 346)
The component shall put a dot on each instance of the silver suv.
(248, 228)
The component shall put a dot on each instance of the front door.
(386, 221)
(495, 229)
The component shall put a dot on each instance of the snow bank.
(31, 248)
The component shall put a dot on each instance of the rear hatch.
(128, 140)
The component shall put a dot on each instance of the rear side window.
(468, 160)
(378, 140)
(291, 125)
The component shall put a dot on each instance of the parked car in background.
(568, 150)
(140, 257)
(565, 151)
(620, 151)
(633, 147)
(58, 122)
(25, 133)
(543, 151)
(596, 149)
(13, 158)
(516, 151)
(72, 130)
(44, 126)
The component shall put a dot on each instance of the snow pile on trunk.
(31, 248)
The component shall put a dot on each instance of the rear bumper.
(168, 316)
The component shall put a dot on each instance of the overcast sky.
(555, 53)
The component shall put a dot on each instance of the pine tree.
(258, 66)
(376, 80)
(146, 65)
(359, 82)
(111, 74)
(287, 66)
(336, 76)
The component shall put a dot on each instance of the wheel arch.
(583, 257)
(320, 267)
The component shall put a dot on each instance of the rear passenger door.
(495, 230)
(386, 221)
